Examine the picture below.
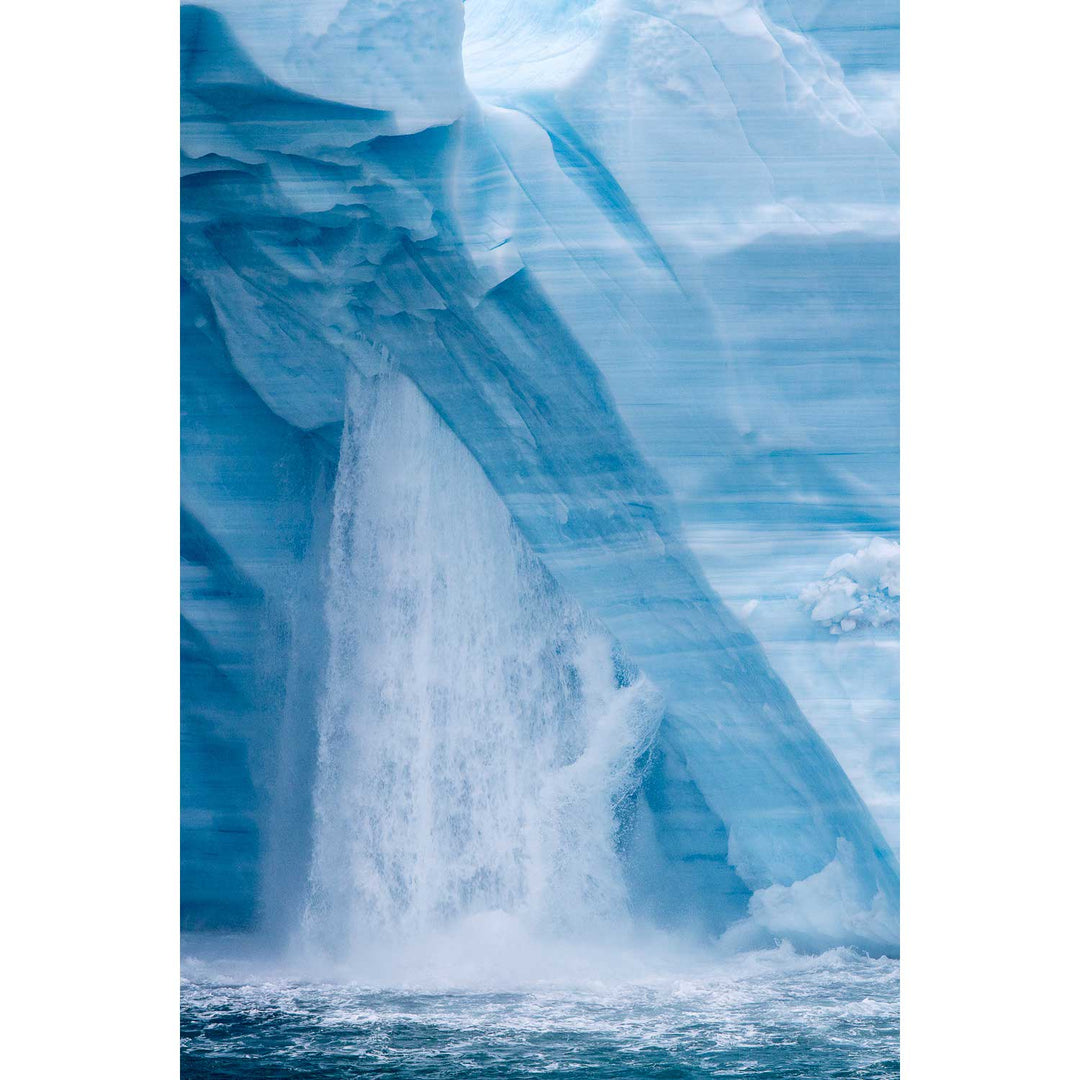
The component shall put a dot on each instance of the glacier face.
(542, 226)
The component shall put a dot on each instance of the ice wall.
(543, 276)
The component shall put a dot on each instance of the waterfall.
(480, 738)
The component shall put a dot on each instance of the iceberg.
(454, 365)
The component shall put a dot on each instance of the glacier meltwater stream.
(514, 333)
(480, 737)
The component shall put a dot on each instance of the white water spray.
(478, 732)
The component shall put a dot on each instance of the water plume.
(480, 738)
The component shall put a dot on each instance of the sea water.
(766, 1014)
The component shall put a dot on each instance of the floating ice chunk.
(859, 589)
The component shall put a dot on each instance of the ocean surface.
(765, 1014)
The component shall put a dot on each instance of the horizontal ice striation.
(523, 273)
(713, 213)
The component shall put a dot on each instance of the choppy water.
(771, 1014)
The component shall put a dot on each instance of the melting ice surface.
(515, 336)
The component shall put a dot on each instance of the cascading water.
(480, 739)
